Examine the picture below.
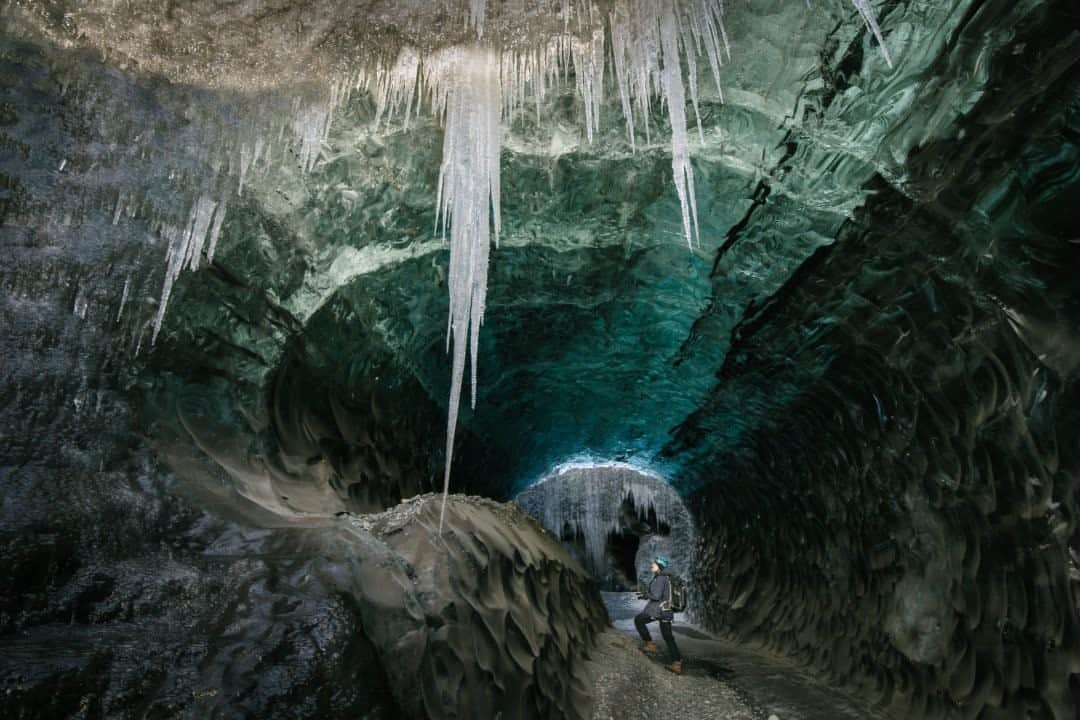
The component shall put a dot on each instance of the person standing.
(659, 609)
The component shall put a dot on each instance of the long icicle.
(468, 200)
(870, 19)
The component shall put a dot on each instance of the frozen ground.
(720, 680)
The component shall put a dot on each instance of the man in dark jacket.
(659, 608)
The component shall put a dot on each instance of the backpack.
(676, 600)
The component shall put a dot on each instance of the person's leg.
(669, 638)
(639, 622)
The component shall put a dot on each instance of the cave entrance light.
(614, 519)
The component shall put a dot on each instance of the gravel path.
(720, 680)
(630, 686)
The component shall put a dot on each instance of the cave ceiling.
(604, 330)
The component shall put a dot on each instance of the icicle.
(173, 264)
(311, 127)
(138, 345)
(202, 216)
(476, 17)
(185, 247)
(123, 298)
(620, 44)
(119, 207)
(246, 157)
(588, 59)
(215, 229)
(691, 67)
(262, 150)
(674, 94)
(467, 82)
(868, 16)
(397, 86)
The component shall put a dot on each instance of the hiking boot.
(649, 647)
(676, 667)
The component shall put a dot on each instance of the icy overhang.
(332, 211)
(614, 518)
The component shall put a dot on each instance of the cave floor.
(720, 679)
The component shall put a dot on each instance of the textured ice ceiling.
(320, 53)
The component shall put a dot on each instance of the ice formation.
(466, 83)
(648, 43)
(870, 18)
(588, 500)
(186, 246)
(311, 125)
(474, 89)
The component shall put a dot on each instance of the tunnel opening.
(627, 571)
(614, 520)
(622, 548)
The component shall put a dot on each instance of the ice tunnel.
(615, 519)
(275, 273)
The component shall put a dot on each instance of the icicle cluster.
(588, 501)
(395, 88)
(186, 246)
(649, 42)
(311, 125)
(307, 121)
(474, 89)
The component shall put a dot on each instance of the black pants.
(641, 619)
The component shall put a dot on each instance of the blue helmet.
(662, 561)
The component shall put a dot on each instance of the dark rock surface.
(379, 617)
(179, 615)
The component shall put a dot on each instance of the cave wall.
(917, 542)
(886, 476)
(125, 590)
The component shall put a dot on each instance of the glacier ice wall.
(896, 505)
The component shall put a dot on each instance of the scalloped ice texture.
(898, 509)
(477, 610)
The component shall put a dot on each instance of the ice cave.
(370, 359)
